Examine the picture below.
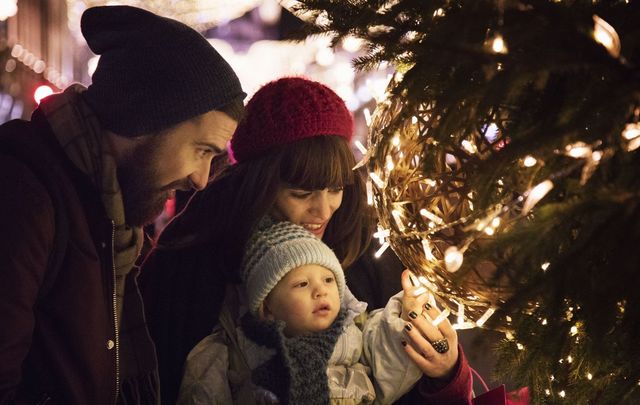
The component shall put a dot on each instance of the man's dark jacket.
(58, 346)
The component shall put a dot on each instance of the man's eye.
(204, 152)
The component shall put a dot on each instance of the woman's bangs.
(317, 163)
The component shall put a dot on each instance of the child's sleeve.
(206, 379)
(394, 374)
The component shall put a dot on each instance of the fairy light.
(376, 179)
(489, 230)
(369, 188)
(381, 250)
(453, 259)
(438, 13)
(574, 330)
(569, 359)
(395, 141)
(360, 147)
(443, 315)
(431, 216)
(545, 266)
(631, 133)
(460, 313)
(589, 376)
(562, 394)
(578, 150)
(426, 246)
(520, 346)
(536, 194)
(547, 392)
(483, 319)
(381, 234)
(390, 166)
(397, 215)
(414, 120)
(495, 222)
(544, 321)
(606, 35)
(469, 147)
(498, 45)
(367, 116)
(529, 161)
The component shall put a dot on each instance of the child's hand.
(434, 348)
(415, 296)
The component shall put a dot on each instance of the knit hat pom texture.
(287, 110)
(275, 250)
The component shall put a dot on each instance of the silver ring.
(441, 346)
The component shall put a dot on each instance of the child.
(299, 342)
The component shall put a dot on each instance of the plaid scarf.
(79, 133)
(77, 129)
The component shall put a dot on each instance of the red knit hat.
(287, 110)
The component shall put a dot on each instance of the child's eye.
(329, 279)
(301, 284)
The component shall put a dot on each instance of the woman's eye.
(336, 189)
(301, 194)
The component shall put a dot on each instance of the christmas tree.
(505, 169)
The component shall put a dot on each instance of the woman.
(293, 162)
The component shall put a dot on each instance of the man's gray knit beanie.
(277, 248)
(153, 72)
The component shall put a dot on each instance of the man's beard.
(143, 199)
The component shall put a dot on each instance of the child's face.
(306, 299)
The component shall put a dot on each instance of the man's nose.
(200, 177)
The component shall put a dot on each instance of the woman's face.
(311, 209)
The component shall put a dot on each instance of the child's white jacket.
(367, 366)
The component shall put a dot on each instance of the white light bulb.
(529, 161)
(536, 194)
(453, 259)
(606, 35)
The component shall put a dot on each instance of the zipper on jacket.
(115, 310)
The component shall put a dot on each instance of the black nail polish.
(427, 306)
(413, 315)
(404, 343)
(408, 326)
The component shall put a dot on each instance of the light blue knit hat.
(277, 248)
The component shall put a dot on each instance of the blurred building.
(36, 49)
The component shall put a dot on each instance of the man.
(89, 170)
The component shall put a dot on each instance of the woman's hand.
(434, 348)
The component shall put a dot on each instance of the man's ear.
(264, 312)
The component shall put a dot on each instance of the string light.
(485, 317)
(536, 194)
(529, 161)
(606, 35)
(360, 147)
(453, 259)
(381, 250)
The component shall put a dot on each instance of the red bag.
(498, 395)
